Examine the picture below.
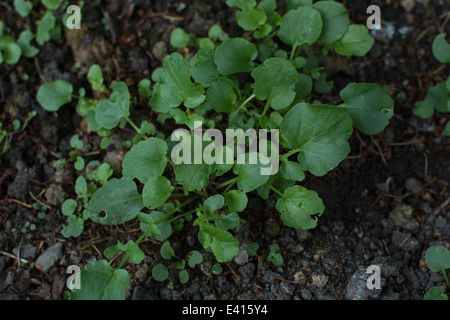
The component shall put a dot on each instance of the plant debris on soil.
(385, 204)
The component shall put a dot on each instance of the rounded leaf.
(52, 95)
(235, 55)
(438, 258)
(356, 42)
(298, 206)
(300, 26)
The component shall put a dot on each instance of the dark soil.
(385, 204)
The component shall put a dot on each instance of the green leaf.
(167, 251)
(11, 52)
(216, 269)
(165, 229)
(99, 281)
(176, 82)
(298, 206)
(74, 227)
(184, 276)
(203, 68)
(145, 160)
(192, 176)
(216, 33)
(68, 207)
(369, 106)
(79, 163)
(23, 8)
(235, 55)
(252, 248)
(160, 103)
(241, 4)
(435, 293)
(438, 258)
(95, 77)
(111, 251)
(320, 133)
(51, 4)
(335, 20)
(423, 109)
(356, 42)
(135, 254)
(292, 171)
(159, 272)
(104, 172)
(300, 26)
(441, 49)
(156, 191)
(195, 258)
(44, 27)
(304, 85)
(321, 85)
(80, 186)
(228, 221)
(24, 40)
(250, 176)
(214, 203)
(236, 201)
(221, 96)
(438, 96)
(117, 200)
(251, 19)
(108, 113)
(144, 89)
(294, 4)
(275, 81)
(53, 95)
(179, 39)
(222, 243)
(275, 258)
(447, 130)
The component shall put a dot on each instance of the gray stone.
(242, 256)
(49, 257)
(287, 288)
(159, 50)
(305, 294)
(412, 184)
(55, 194)
(402, 216)
(206, 265)
(142, 273)
(302, 235)
(27, 251)
(319, 280)
(271, 228)
(168, 294)
(389, 267)
(247, 270)
(357, 288)
(140, 293)
(223, 283)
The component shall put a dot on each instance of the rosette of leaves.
(242, 84)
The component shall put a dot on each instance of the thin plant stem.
(135, 127)
(242, 106)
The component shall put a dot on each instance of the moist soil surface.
(385, 204)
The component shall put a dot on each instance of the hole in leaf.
(102, 214)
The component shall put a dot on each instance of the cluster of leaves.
(274, 90)
(438, 97)
(47, 28)
(438, 259)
